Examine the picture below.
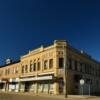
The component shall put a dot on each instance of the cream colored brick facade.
(41, 71)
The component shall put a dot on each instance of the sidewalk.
(52, 96)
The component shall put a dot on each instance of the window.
(70, 63)
(45, 64)
(8, 71)
(76, 65)
(97, 82)
(81, 65)
(38, 66)
(99, 73)
(61, 62)
(85, 68)
(51, 63)
(77, 77)
(26, 68)
(31, 67)
(88, 81)
(90, 69)
(96, 72)
(16, 70)
(22, 69)
(34, 66)
(0, 73)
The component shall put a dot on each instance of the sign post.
(82, 83)
(89, 90)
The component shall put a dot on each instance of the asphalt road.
(7, 96)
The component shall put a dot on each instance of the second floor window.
(1, 73)
(81, 65)
(31, 67)
(61, 62)
(45, 64)
(22, 69)
(70, 63)
(8, 71)
(51, 63)
(38, 66)
(34, 66)
(76, 65)
(26, 68)
(16, 70)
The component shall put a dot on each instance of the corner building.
(42, 71)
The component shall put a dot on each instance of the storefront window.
(40, 88)
(45, 88)
(51, 88)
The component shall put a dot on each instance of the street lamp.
(82, 82)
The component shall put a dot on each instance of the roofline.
(5, 65)
(84, 54)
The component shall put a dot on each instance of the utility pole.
(65, 71)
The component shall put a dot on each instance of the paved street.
(9, 96)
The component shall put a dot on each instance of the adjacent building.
(42, 71)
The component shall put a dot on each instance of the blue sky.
(26, 24)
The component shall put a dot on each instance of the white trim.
(2, 81)
(14, 80)
(26, 76)
(37, 78)
(46, 73)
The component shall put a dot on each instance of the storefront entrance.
(29, 86)
(2, 86)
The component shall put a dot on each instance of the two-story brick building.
(42, 71)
